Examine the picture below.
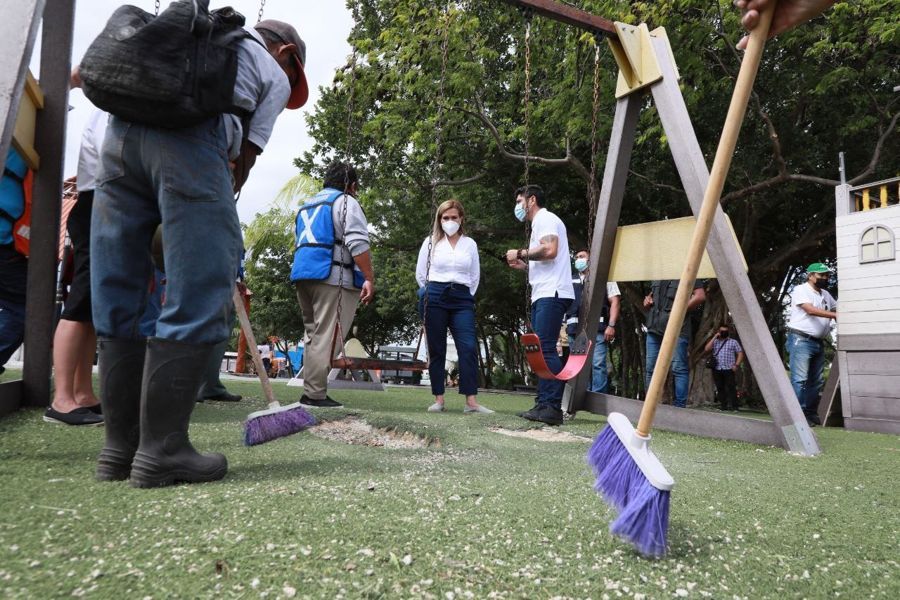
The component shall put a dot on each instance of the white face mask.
(450, 227)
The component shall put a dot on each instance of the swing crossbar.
(579, 351)
(569, 15)
(377, 364)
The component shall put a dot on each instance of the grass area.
(479, 515)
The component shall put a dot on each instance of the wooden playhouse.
(868, 269)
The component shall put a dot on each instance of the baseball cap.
(818, 268)
(288, 35)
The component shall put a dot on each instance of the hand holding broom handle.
(254, 351)
(727, 142)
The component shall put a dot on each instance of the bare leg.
(67, 350)
(84, 383)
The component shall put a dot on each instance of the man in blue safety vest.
(332, 272)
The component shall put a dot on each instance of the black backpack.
(174, 70)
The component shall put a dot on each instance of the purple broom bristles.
(643, 519)
(276, 423)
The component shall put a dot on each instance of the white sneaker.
(436, 407)
(478, 409)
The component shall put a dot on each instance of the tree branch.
(876, 154)
(460, 182)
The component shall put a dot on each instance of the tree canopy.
(824, 88)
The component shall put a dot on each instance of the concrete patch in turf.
(544, 434)
(358, 432)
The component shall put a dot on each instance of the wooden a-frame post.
(646, 63)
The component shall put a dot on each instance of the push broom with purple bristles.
(275, 421)
(630, 477)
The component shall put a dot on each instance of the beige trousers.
(319, 304)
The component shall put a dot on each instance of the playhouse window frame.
(882, 244)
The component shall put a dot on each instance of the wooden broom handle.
(251, 342)
(727, 142)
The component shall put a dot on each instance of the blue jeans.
(450, 305)
(680, 369)
(179, 178)
(807, 365)
(546, 319)
(599, 375)
(13, 275)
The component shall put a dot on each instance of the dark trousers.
(726, 390)
(546, 318)
(451, 306)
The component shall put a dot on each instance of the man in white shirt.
(547, 261)
(812, 310)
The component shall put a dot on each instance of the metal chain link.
(527, 110)
(262, 8)
(438, 155)
(156, 8)
(339, 333)
(595, 110)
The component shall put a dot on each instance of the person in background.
(606, 330)
(75, 342)
(546, 261)
(447, 280)
(728, 357)
(332, 268)
(809, 323)
(658, 304)
(14, 186)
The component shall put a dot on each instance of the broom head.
(635, 483)
(276, 422)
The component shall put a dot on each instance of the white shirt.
(800, 320)
(89, 154)
(549, 278)
(449, 264)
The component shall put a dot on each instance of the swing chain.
(262, 7)
(156, 8)
(595, 110)
(438, 151)
(527, 111)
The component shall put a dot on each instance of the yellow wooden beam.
(26, 119)
(657, 250)
(638, 67)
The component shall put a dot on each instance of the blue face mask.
(581, 264)
(520, 212)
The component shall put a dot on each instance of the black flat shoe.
(79, 416)
(325, 402)
(97, 409)
(549, 415)
(226, 397)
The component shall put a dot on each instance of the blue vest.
(12, 195)
(315, 241)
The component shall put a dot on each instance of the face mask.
(723, 334)
(520, 212)
(450, 227)
(822, 284)
(581, 264)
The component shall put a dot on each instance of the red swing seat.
(579, 351)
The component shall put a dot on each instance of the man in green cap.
(812, 309)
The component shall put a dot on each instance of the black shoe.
(121, 369)
(165, 456)
(97, 409)
(325, 402)
(224, 397)
(545, 414)
(532, 409)
(79, 416)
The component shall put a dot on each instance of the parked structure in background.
(868, 267)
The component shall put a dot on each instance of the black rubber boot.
(121, 367)
(172, 375)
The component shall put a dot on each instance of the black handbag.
(711, 362)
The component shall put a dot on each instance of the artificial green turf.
(475, 515)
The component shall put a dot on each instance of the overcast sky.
(323, 24)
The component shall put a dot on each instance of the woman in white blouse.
(447, 300)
